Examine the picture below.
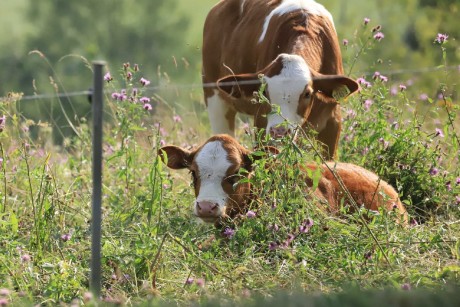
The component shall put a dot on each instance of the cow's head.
(215, 169)
(292, 86)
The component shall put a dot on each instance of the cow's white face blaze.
(212, 165)
(290, 90)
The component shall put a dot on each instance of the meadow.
(156, 253)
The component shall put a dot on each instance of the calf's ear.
(337, 87)
(238, 86)
(175, 157)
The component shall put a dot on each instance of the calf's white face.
(212, 165)
(215, 173)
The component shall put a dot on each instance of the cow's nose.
(207, 209)
(279, 131)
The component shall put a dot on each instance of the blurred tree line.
(156, 35)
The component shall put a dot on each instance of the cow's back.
(232, 38)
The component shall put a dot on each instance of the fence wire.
(176, 86)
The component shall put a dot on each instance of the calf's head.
(290, 85)
(215, 169)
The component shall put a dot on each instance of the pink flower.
(433, 171)
(423, 97)
(25, 258)
(439, 133)
(406, 287)
(177, 119)
(345, 42)
(250, 214)
(108, 77)
(228, 232)
(368, 103)
(200, 282)
(189, 281)
(402, 87)
(144, 100)
(441, 38)
(147, 106)
(66, 237)
(272, 246)
(366, 21)
(379, 36)
(144, 81)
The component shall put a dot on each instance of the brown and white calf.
(215, 170)
(293, 43)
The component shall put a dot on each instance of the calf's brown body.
(217, 189)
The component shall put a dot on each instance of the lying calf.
(215, 170)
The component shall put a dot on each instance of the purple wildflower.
(177, 119)
(272, 246)
(441, 38)
(433, 171)
(306, 225)
(379, 36)
(368, 255)
(383, 78)
(66, 237)
(129, 75)
(423, 97)
(457, 181)
(345, 42)
(393, 90)
(368, 103)
(439, 133)
(147, 106)
(2, 122)
(402, 87)
(448, 186)
(250, 214)
(200, 282)
(144, 100)
(144, 82)
(3, 302)
(457, 199)
(406, 287)
(25, 258)
(108, 77)
(366, 21)
(189, 281)
(376, 75)
(228, 232)
(4, 292)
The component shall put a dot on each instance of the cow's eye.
(307, 94)
(232, 179)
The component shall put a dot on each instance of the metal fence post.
(96, 220)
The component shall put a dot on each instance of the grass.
(155, 253)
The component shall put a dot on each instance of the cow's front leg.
(221, 115)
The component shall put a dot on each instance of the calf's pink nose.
(207, 209)
(279, 131)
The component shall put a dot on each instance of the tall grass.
(155, 252)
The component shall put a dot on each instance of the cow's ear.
(239, 86)
(335, 86)
(176, 157)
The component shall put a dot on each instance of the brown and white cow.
(215, 169)
(293, 43)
